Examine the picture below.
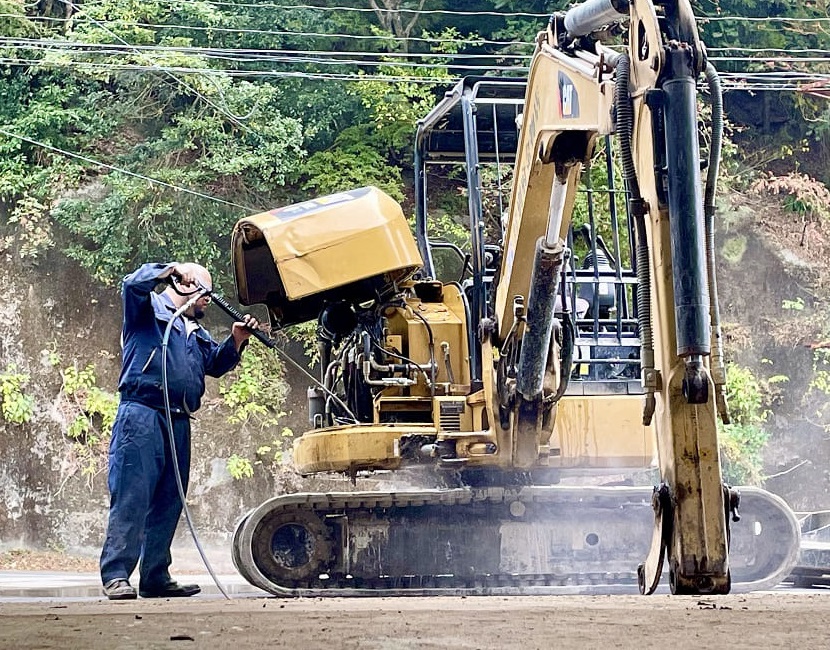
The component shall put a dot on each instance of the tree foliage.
(135, 130)
(242, 103)
(154, 153)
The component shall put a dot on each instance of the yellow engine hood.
(294, 258)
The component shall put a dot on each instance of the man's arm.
(137, 286)
(243, 330)
(225, 356)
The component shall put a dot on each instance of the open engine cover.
(351, 246)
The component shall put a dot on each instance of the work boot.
(170, 590)
(119, 589)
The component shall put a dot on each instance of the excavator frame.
(527, 371)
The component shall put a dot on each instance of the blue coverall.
(144, 500)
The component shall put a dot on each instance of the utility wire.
(298, 59)
(275, 54)
(124, 171)
(383, 57)
(236, 119)
(324, 58)
(295, 60)
(240, 30)
(731, 81)
(450, 12)
(765, 19)
(402, 10)
(22, 43)
(763, 50)
(442, 80)
(79, 19)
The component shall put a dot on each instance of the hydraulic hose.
(625, 125)
(713, 80)
(717, 360)
(568, 337)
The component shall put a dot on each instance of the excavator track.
(485, 541)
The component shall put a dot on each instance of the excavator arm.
(666, 59)
(651, 103)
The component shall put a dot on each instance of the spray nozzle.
(201, 290)
(175, 281)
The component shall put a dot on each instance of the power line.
(402, 10)
(78, 19)
(763, 50)
(506, 14)
(41, 43)
(388, 57)
(353, 62)
(297, 57)
(783, 59)
(336, 57)
(255, 56)
(731, 80)
(765, 19)
(224, 111)
(270, 32)
(127, 172)
(231, 72)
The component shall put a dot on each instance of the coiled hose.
(625, 128)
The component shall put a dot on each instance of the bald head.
(202, 276)
(192, 277)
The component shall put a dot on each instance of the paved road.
(740, 622)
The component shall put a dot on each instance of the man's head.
(197, 309)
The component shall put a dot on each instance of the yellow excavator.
(523, 376)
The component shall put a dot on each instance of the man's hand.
(242, 330)
(189, 275)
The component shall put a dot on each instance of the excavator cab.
(475, 129)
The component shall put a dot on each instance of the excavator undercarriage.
(484, 541)
(561, 371)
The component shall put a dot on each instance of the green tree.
(744, 439)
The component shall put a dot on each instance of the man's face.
(197, 311)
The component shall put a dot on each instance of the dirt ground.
(761, 620)
(18, 559)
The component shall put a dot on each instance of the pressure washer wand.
(225, 306)
(263, 338)
(237, 315)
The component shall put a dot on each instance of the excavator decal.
(568, 97)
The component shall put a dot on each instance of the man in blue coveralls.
(144, 500)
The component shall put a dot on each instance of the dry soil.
(762, 620)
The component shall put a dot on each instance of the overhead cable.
(328, 57)
(731, 81)
(41, 43)
(127, 172)
(401, 10)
